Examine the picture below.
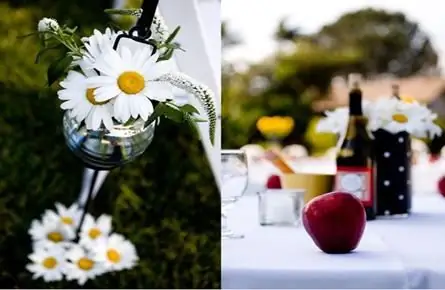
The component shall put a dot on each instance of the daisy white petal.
(79, 97)
(115, 253)
(130, 75)
(81, 266)
(47, 263)
(92, 230)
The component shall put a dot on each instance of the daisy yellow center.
(49, 263)
(94, 233)
(113, 256)
(131, 82)
(90, 97)
(408, 99)
(67, 220)
(400, 118)
(55, 237)
(85, 264)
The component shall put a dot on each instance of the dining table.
(394, 253)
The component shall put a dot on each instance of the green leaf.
(193, 126)
(159, 110)
(46, 49)
(189, 109)
(27, 35)
(198, 120)
(130, 11)
(58, 68)
(167, 55)
(173, 35)
(173, 114)
(71, 30)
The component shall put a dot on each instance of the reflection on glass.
(234, 184)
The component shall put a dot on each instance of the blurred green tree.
(285, 84)
(368, 41)
(390, 42)
(166, 202)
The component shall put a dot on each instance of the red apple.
(273, 182)
(434, 157)
(335, 221)
(441, 186)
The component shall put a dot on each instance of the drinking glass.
(234, 184)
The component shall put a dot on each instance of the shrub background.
(165, 202)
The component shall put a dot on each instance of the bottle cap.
(354, 80)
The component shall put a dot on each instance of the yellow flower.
(275, 127)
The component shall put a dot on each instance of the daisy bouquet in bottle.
(114, 87)
(389, 114)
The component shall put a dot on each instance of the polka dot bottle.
(392, 153)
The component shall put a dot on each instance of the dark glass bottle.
(355, 172)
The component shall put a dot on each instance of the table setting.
(324, 222)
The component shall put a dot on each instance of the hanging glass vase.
(107, 149)
(392, 173)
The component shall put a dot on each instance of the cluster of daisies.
(59, 253)
(387, 113)
(107, 87)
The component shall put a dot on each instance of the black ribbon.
(85, 207)
(143, 26)
(144, 22)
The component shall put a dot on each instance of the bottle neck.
(355, 103)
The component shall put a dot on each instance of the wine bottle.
(355, 172)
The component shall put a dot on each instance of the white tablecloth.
(399, 254)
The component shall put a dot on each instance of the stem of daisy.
(87, 202)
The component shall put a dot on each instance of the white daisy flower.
(47, 24)
(81, 266)
(115, 253)
(48, 263)
(336, 121)
(79, 99)
(131, 78)
(396, 116)
(95, 45)
(49, 233)
(92, 230)
(69, 216)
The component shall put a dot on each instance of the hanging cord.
(86, 206)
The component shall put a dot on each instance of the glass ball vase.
(107, 149)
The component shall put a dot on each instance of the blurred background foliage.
(368, 41)
(158, 201)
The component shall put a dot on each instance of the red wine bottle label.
(357, 181)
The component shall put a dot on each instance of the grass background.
(165, 202)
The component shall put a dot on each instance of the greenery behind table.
(367, 41)
(165, 202)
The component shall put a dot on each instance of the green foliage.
(390, 42)
(158, 201)
(292, 81)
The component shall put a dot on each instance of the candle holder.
(280, 207)
(313, 184)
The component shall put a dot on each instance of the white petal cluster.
(58, 255)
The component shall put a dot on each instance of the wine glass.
(234, 184)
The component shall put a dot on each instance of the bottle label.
(357, 181)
